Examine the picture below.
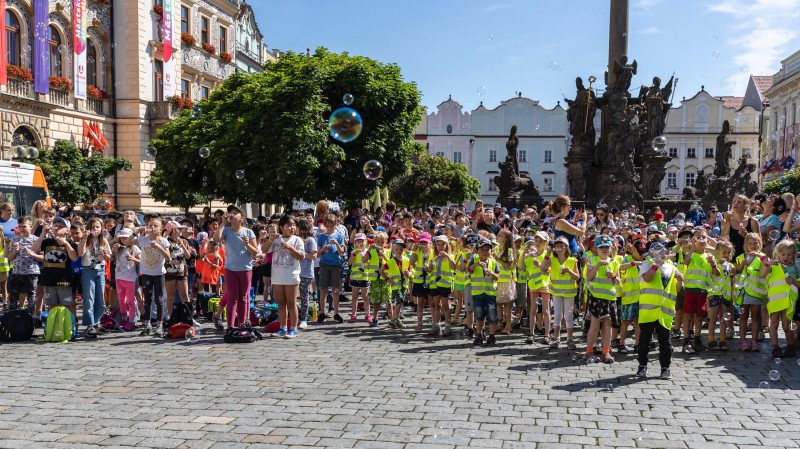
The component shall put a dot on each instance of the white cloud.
(645, 4)
(495, 7)
(652, 30)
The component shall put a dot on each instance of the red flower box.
(188, 39)
(19, 73)
(180, 103)
(61, 83)
(95, 92)
(225, 56)
(209, 48)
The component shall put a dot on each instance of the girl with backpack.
(175, 265)
(95, 253)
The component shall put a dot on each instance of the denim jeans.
(93, 283)
(485, 307)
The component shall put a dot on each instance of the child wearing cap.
(358, 281)
(700, 267)
(379, 293)
(506, 287)
(441, 285)
(537, 264)
(629, 288)
(602, 274)
(420, 261)
(126, 276)
(719, 300)
(564, 287)
(483, 274)
(394, 272)
(56, 273)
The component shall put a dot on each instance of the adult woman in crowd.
(737, 223)
(562, 227)
(241, 248)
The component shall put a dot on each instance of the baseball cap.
(472, 239)
(360, 236)
(498, 206)
(380, 229)
(436, 213)
(561, 239)
(543, 235)
(173, 225)
(484, 242)
(232, 207)
(399, 242)
(125, 233)
(514, 209)
(528, 239)
(603, 241)
(424, 237)
(440, 238)
(63, 221)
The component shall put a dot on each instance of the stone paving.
(351, 386)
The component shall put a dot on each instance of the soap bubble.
(491, 37)
(345, 124)
(778, 360)
(774, 235)
(196, 112)
(739, 280)
(152, 151)
(727, 85)
(763, 385)
(239, 174)
(481, 90)
(189, 335)
(715, 54)
(373, 170)
(726, 316)
(205, 152)
(659, 143)
(744, 69)
(347, 99)
(793, 326)
(774, 375)
(554, 66)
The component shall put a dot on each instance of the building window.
(672, 181)
(184, 19)
(223, 39)
(158, 80)
(690, 177)
(548, 155)
(185, 89)
(673, 152)
(204, 26)
(457, 157)
(492, 155)
(204, 92)
(691, 153)
(709, 153)
(13, 40)
(522, 155)
(439, 153)
(747, 153)
(91, 64)
(55, 53)
(492, 187)
(547, 186)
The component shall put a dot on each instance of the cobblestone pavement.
(348, 385)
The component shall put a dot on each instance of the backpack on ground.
(60, 326)
(179, 330)
(213, 306)
(201, 302)
(111, 318)
(242, 334)
(181, 314)
(16, 325)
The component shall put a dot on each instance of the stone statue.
(624, 74)
(577, 176)
(722, 169)
(622, 143)
(656, 100)
(511, 151)
(580, 115)
(700, 184)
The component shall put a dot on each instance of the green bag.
(213, 305)
(60, 326)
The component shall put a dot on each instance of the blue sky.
(538, 47)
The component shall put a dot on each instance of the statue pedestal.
(579, 167)
(654, 170)
(619, 193)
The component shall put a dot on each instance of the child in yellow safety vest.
(781, 275)
(420, 262)
(395, 271)
(699, 267)
(753, 294)
(358, 278)
(602, 274)
(537, 265)
(629, 287)
(441, 285)
(521, 276)
(506, 288)
(459, 279)
(720, 306)
(684, 247)
(379, 293)
(564, 275)
(483, 274)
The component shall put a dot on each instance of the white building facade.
(783, 128)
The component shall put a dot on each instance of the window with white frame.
(691, 153)
(690, 179)
(672, 180)
(522, 155)
(492, 187)
(547, 185)
(747, 153)
(492, 155)
(440, 153)
(709, 153)
(673, 152)
(548, 155)
(457, 157)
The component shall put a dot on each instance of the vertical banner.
(169, 60)
(41, 48)
(3, 62)
(79, 47)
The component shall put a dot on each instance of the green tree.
(74, 178)
(435, 180)
(790, 182)
(273, 126)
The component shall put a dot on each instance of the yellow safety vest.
(419, 273)
(697, 273)
(723, 283)
(780, 295)
(5, 267)
(537, 279)
(357, 271)
(602, 286)
(373, 265)
(522, 273)
(481, 282)
(754, 285)
(629, 284)
(395, 273)
(442, 274)
(506, 274)
(656, 301)
(562, 284)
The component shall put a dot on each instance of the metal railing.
(59, 97)
(95, 105)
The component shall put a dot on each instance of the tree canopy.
(74, 178)
(272, 128)
(435, 180)
(790, 182)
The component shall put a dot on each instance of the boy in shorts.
(56, 273)
(602, 274)
(394, 272)
(25, 272)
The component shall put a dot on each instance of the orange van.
(22, 185)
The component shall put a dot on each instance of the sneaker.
(392, 324)
(302, 326)
(642, 372)
(666, 374)
(91, 332)
(321, 317)
(713, 345)
(353, 318)
(338, 318)
(281, 333)
(218, 323)
(760, 336)
(537, 331)
(399, 323)
(491, 341)
(529, 340)
(744, 346)
(607, 358)
(434, 330)
(158, 333)
(615, 343)
(373, 322)
(465, 332)
(477, 341)
(676, 334)
(291, 334)
(623, 349)
(687, 349)
(546, 341)
(697, 345)
(723, 346)
(571, 344)
(447, 331)
(729, 334)
(554, 344)
(145, 332)
(101, 330)
(369, 319)
(753, 346)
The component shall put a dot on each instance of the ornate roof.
(763, 83)
(243, 9)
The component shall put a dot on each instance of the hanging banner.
(41, 47)
(79, 46)
(3, 62)
(169, 60)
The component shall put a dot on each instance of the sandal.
(419, 327)
(353, 318)
(744, 346)
(723, 346)
(607, 358)
(505, 331)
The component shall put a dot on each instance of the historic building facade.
(783, 128)
(251, 51)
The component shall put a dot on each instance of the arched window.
(22, 136)
(13, 39)
(91, 65)
(55, 52)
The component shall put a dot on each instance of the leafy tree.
(790, 182)
(435, 180)
(274, 127)
(74, 178)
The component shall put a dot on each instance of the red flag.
(94, 140)
(102, 137)
(3, 62)
(85, 134)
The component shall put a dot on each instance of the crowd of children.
(488, 270)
